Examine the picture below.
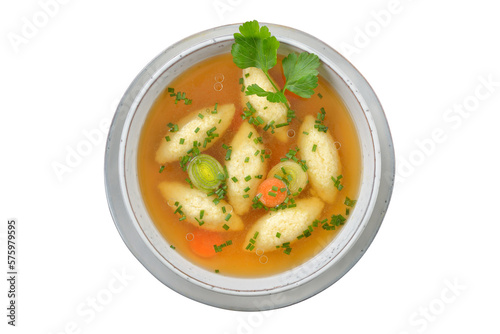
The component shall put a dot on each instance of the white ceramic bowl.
(152, 250)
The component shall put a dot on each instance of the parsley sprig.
(254, 46)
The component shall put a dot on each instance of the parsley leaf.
(255, 47)
(271, 96)
(301, 73)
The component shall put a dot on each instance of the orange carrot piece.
(272, 197)
(203, 243)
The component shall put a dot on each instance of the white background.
(433, 267)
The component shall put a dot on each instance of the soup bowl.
(239, 293)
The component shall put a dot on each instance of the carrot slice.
(272, 192)
(203, 243)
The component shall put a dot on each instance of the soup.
(281, 193)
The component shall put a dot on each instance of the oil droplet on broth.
(263, 259)
(337, 145)
(189, 236)
(259, 252)
(291, 133)
(219, 77)
(218, 86)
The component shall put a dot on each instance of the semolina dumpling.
(244, 166)
(193, 201)
(323, 160)
(268, 111)
(193, 128)
(287, 224)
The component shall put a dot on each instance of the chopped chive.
(196, 130)
(336, 182)
(248, 178)
(225, 227)
(250, 135)
(246, 196)
(305, 132)
(202, 213)
(274, 188)
(228, 217)
(259, 176)
(162, 168)
(178, 209)
(320, 96)
(247, 159)
(271, 194)
(172, 246)
(223, 209)
(277, 126)
(278, 234)
(314, 147)
(167, 138)
(349, 202)
(347, 211)
(181, 141)
(246, 189)
(228, 154)
(201, 116)
(216, 271)
(247, 75)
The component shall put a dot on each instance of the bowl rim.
(138, 243)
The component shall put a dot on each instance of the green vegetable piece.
(255, 47)
(301, 73)
(205, 172)
(255, 89)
